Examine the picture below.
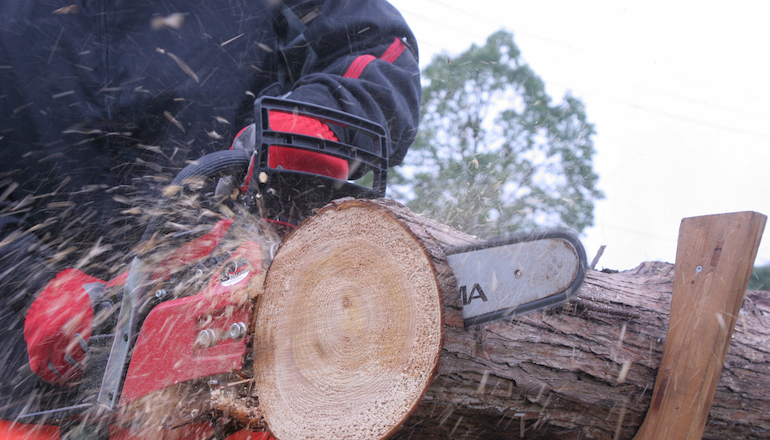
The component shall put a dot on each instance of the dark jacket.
(96, 94)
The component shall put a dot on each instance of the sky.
(679, 93)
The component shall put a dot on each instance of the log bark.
(584, 370)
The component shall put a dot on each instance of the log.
(349, 327)
(586, 370)
(358, 334)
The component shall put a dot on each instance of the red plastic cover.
(166, 351)
(57, 323)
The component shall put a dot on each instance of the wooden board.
(714, 260)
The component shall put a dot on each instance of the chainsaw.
(205, 330)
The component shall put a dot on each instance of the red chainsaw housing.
(200, 431)
(166, 352)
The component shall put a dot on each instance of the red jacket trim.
(394, 51)
(359, 64)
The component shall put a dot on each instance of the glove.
(58, 325)
(293, 158)
(303, 160)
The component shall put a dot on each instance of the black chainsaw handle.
(363, 143)
(217, 164)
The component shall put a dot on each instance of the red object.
(63, 309)
(390, 55)
(167, 351)
(358, 65)
(194, 250)
(60, 313)
(302, 160)
(393, 51)
(200, 431)
(197, 431)
(19, 431)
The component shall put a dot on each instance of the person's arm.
(363, 61)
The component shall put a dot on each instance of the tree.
(493, 154)
(760, 278)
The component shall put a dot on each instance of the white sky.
(679, 93)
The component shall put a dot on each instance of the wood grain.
(349, 330)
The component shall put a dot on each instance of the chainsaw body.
(180, 340)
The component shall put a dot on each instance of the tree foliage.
(494, 154)
(760, 278)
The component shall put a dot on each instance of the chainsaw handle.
(217, 164)
(291, 195)
(364, 144)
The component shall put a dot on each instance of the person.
(102, 100)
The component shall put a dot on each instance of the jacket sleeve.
(364, 62)
(23, 270)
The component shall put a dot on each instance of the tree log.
(379, 350)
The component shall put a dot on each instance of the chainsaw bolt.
(160, 293)
(237, 331)
(206, 339)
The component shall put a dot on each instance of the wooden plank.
(714, 260)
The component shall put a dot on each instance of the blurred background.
(677, 94)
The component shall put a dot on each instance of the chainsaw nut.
(237, 331)
(206, 339)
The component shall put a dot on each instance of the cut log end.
(349, 328)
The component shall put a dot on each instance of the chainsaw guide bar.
(501, 278)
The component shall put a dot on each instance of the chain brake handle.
(362, 143)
